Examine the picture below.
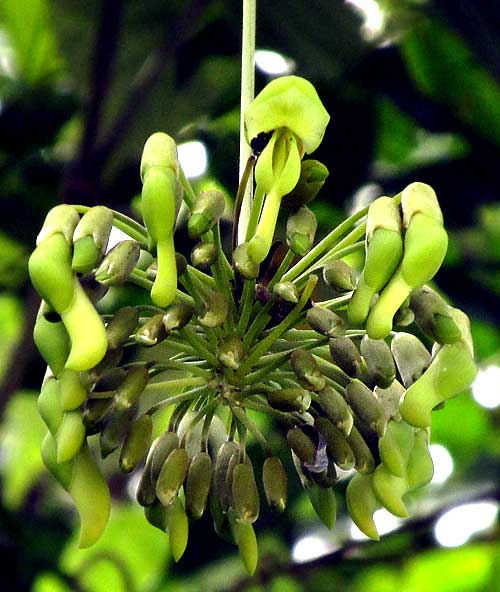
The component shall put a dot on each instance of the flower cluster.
(348, 362)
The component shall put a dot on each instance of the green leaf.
(135, 548)
(444, 69)
(11, 321)
(21, 432)
(29, 30)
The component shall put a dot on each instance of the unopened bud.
(411, 357)
(203, 255)
(91, 237)
(136, 443)
(345, 355)
(337, 447)
(313, 175)
(121, 326)
(274, 479)
(307, 371)
(245, 496)
(177, 316)
(198, 484)
(366, 406)
(152, 332)
(172, 475)
(325, 321)
(379, 361)
(118, 263)
(230, 351)
(301, 230)
(289, 399)
(216, 310)
(339, 276)
(336, 409)
(243, 263)
(433, 316)
(131, 388)
(208, 208)
(61, 219)
(286, 291)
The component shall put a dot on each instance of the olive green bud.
(152, 332)
(216, 309)
(61, 219)
(289, 399)
(115, 431)
(118, 263)
(404, 316)
(345, 355)
(157, 516)
(390, 491)
(51, 274)
(52, 341)
(420, 468)
(325, 321)
(226, 491)
(230, 351)
(136, 443)
(395, 447)
(49, 404)
(286, 291)
(93, 413)
(452, 370)
(178, 528)
(364, 461)
(109, 362)
(121, 326)
(245, 497)
(177, 316)
(181, 264)
(433, 316)
(146, 489)
(246, 540)
(131, 388)
(226, 452)
(390, 398)
(198, 482)
(207, 209)
(324, 502)
(313, 175)
(306, 370)
(384, 249)
(90, 238)
(337, 447)
(203, 255)
(302, 445)
(243, 264)
(274, 479)
(70, 436)
(379, 361)
(172, 475)
(366, 406)
(163, 446)
(411, 356)
(336, 409)
(362, 504)
(339, 276)
(301, 229)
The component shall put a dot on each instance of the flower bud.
(178, 528)
(198, 484)
(247, 543)
(203, 255)
(286, 291)
(364, 461)
(325, 321)
(339, 276)
(172, 475)
(136, 443)
(207, 209)
(70, 436)
(313, 175)
(345, 355)
(177, 316)
(390, 491)
(300, 231)
(390, 398)
(246, 503)
(226, 452)
(366, 406)
(230, 351)
(118, 263)
(337, 447)
(395, 447)
(274, 479)
(433, 316)
(244, 265)
(411, 357)
(52, 341)
(72, 391)
(115, 431)
(325, 505)
(121, 326)
(289, 399)
(336, 409)
(216, 309)
(131, 388)
(152, 332)
(90, 238)
(306, 370)
(420, 468)
(49, 404)
(302, 445)
(379, 361)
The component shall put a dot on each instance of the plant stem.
(169, 385)
(247, 95)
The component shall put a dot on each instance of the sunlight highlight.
(273, 63)
(373, 17)
(310, 547)
(193, 158)
(485, 388)
(459, 524)
(443, 463)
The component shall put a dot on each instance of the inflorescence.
(283, 328)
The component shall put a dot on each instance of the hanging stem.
(247, 95)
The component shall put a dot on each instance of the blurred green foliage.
(82, 84)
